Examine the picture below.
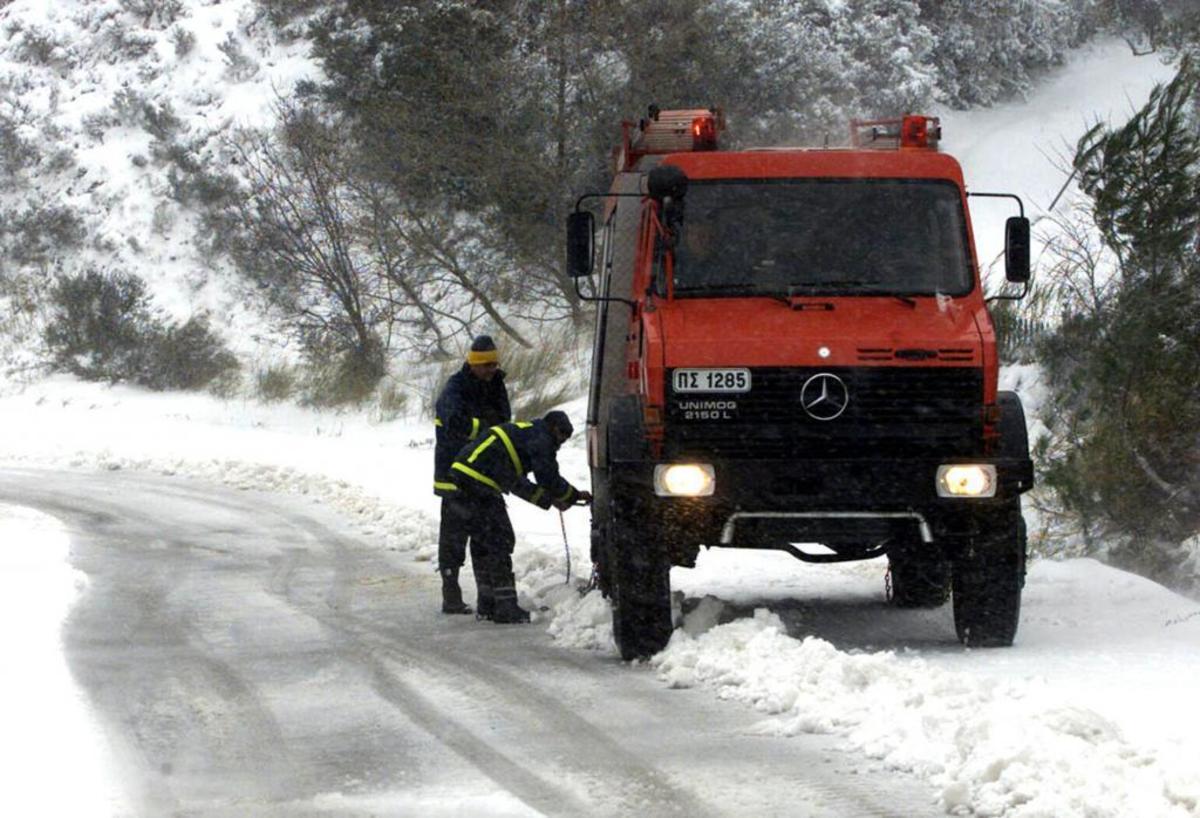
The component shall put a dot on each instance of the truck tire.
(919, 576)
(989, 573)
(639, 587)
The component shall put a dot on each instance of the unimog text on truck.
(793, 352)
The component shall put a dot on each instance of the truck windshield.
(812, 237)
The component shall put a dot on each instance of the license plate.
(711, 380)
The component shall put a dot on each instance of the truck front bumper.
(758, 503)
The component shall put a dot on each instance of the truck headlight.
(966, 480)
(684, 480)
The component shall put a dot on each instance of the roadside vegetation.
(379, 222)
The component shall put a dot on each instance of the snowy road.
(245, 653)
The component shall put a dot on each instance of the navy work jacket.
(503, 457)
(466, 407)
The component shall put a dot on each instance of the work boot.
(452, 601)
(485, 603)
(508, 612)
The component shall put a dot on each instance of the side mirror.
(581, 237)
(1016, 249)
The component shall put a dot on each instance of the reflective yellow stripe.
(522, 424)
(537, 495)
(478, 449)
(437, 421)
(438, 485)
(512, 452)
(482, 478)
(474, 428)
(564, 495)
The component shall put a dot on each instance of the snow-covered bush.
(276, 383)
(39, 234)
(184, 40)
(103, 326)
(161, 13)
(239, 66)
(16, 151)
(343, 378)
(541, 377)
(186, 356)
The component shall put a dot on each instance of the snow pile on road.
(47, 734)
(991, 747)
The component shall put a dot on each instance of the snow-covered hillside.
(110, 109)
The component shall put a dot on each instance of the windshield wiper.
(842, 285)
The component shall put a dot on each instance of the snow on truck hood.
(854, 331)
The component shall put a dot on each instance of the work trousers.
(453, 538)
(485, 520)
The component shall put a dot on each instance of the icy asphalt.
(250, 654)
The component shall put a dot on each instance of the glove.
(584, 498)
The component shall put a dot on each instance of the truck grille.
(892, 411)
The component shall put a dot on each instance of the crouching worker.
(498, 464)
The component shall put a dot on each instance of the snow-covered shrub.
(161, 13)
(276, 383)
(391, 400)
(103, 326)
(125, 43)
(98, 325)
(283, 12)
(39, 234)
(159, 119)
(239, 66)
(16, 151)
(97, 123)
(184, 40)
(539, 377)
(194, 184)
(347, 377)
(186, 356)
(132, 109)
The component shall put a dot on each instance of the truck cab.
(793, 351)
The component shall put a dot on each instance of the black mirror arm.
(1021, 211)
(596, 298)
(582, 297)
(1017, 297)
(1020, 204)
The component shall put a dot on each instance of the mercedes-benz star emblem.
(824, 396)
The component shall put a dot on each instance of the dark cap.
(559, 421)
(483, 343)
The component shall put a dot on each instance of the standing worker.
(498, 464)
(473, 400)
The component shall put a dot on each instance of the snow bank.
(54, 759)
(990, 747)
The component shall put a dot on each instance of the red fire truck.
(793, 351)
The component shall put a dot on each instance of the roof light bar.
(909, 131)
(691, 129)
